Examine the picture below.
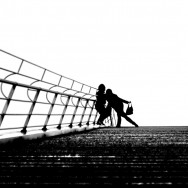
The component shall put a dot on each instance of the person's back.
(100, 104)
(117, 104)
(114, 100)
(100, 98)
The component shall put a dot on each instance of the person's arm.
(124, 101)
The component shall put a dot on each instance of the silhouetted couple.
(113, 102)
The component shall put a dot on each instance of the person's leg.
(104, 113)
(119, 109)
(101, 112)
(118, 120)
(101, 119)
(129, 119)
(107, 112)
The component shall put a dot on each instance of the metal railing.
(34, 98)
(20, 112)
(14, 68)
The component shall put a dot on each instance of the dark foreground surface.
(107, 156)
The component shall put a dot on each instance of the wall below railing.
(34, 135)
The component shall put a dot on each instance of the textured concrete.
(13, 137)
(106, 156)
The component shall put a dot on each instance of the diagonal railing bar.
(7, 103)
(24, 130)
(59, 80)
(49, 113)
(80, 124)
(20, 66)
(43, 74)
(95, 117)
(72, 84)
(74, 114)
(63, 114)
(91, 114)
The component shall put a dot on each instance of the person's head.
(109, 92)
(101, 87)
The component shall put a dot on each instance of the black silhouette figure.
(100, 105)
(117, 104)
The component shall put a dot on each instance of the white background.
(138, 48)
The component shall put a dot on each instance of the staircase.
(106, 156)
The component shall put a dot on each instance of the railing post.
(63, 114)
(80, 124)
(24, 130)
(49, 113)
(95, 118)
(7, 103)
(90, 113)
(74, 114)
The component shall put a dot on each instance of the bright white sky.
(138, 48)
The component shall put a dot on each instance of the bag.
(129, 110)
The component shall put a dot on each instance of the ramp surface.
(107, 156)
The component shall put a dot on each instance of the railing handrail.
(22, 59)
(43, 89)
